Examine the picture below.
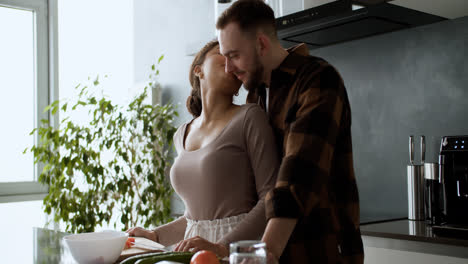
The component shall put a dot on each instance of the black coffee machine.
(453, 169)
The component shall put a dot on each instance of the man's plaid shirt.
(311, 117)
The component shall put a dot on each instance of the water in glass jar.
(247, 258)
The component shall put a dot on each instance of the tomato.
(128, 243)
(204, 257)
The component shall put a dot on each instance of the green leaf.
(47, 108)
(138, 169)
(54, 104)
(96, 81)
(160, 58)
(54, 110)
(34, 130)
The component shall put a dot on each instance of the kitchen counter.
(370, 218)
(403, 235)
(415, 236)
(48, 247)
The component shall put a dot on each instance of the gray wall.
(407, 82)
(177, 29)
(171, 28)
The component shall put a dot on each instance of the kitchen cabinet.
(390, 256)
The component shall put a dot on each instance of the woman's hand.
(197, 243)
(141, 232)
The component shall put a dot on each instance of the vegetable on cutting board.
(128, 243)
(183, 257)
(204, 257)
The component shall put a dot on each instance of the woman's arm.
(171, 232)
(174, 231)
(166, 235)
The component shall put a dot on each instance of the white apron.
(212, 230)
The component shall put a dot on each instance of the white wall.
(169, 28)
(95, 37)
(174, 28)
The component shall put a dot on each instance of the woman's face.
(215, 75)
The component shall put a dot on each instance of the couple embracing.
(279, 168)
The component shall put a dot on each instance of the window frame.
(46, 78)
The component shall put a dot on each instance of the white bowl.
(96, 248)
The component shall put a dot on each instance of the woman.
(227, 162)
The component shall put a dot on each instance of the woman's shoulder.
(254, 117)
(251, 105)
(245, 115)
(178, 138)
(179, 131)
(254, 112)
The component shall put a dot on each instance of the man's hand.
(271, 259)
(197, 243)
(141, 232)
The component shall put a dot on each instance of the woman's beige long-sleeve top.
(229, 176)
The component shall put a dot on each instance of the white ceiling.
(444, 8)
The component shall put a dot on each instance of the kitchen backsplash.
(408, 82)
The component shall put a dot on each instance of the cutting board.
(134, 250)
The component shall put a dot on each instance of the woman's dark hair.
(194, 101)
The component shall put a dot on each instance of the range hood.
(342, 21)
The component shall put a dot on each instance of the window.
(28, 81)
(17, 53)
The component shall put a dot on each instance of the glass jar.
(248, 251)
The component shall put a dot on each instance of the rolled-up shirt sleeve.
(313, 125)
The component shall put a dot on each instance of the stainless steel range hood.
(341, 21)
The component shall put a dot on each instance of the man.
(313, 210)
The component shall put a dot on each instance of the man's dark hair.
(250, 15)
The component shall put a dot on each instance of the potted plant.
(113, 162)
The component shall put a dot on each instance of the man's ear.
(198, 71)
(264, 43)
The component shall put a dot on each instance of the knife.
(423, 149)
(411, 149)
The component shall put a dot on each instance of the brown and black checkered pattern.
(311, 117)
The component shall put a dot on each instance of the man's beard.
(256, 76)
